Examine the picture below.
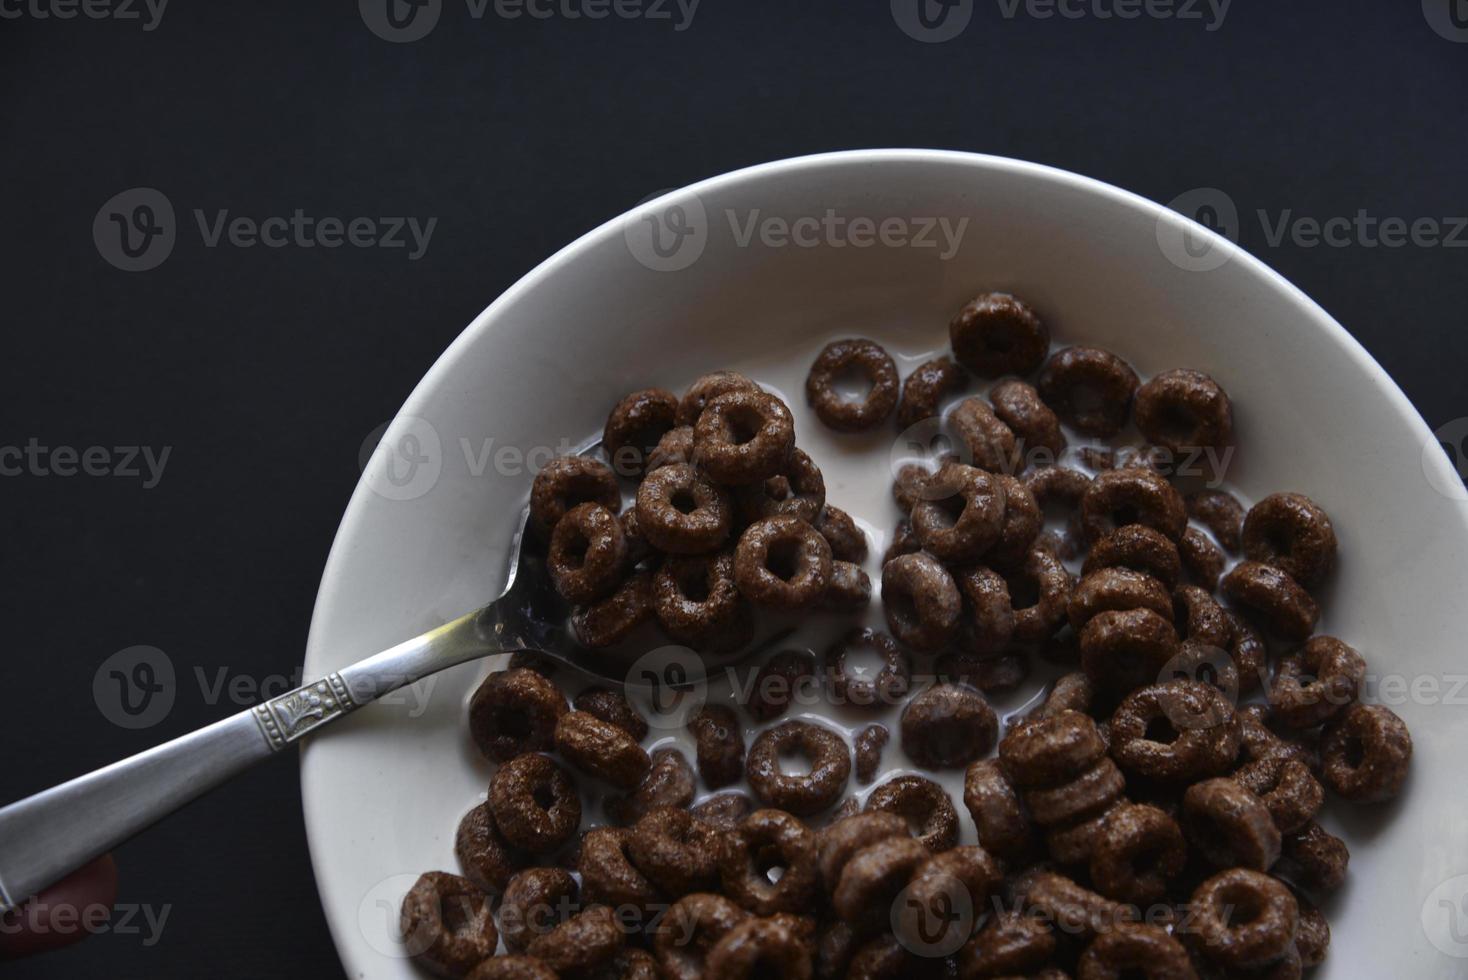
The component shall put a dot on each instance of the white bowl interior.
(540, 368)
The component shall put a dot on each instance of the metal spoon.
(47, 836)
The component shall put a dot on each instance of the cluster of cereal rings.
(1137, 822)
(728, 514)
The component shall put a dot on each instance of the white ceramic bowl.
(610, 313)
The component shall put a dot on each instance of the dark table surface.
(261, 370)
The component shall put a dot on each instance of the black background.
(264, 369)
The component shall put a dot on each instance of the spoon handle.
(47, 836)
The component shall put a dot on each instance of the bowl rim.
(1306, 307)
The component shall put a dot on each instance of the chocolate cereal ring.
(1010, 944)
(1201, 557)
(948, 726)
(1040, 594)
(514, 712)
(1177, 731)
(587, 558)
(782, 561)
(884, 688)
(1036, 428)
(966, 523)
(990, 674)
(535, 804)
(940, 885)
(920, 601)
(807, 793)
(743, 437)
(1312, 936)
(869, 743)
(675, 851)
(1230, 826)
(1183, 410)
(847, 837)
(1201, 619)
(1271, 594)
(693, 925)
(484, 855)
(996, 334)
(1221, 513)
(681, 512)
(926, 387)
(535, 902)
(635, 427)
(758, 948)
(567, 481)
(1072, 909)
(587, 940)
(1314, 858)
(1117, 498)
(925, 806)
(706, 389)
(1317, 683)
(719, 741)
(724, 811)
(848, 542)
(1289, 790)
(1135, 950)
(872, 879)
(1292, 533)
(612, 708)
(1242, 918)
(869, 360)
(1120, 590)
(1139, 852)
(1050, 750)
(608, 875)
(612, 620)
(904, 542)
(1090, 388)
(695, 595)
(1002, 825)
(511, 967)
(770, 839)
(798, 489)
(1365, 754)
(1140, 549)
(778, 682)
(989, 442)
(446, 924)
(1022, 522)
(1248, 651)
(670, 782)
(850, 589)
(1123, 649)
(676, 446)
(601, 749)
